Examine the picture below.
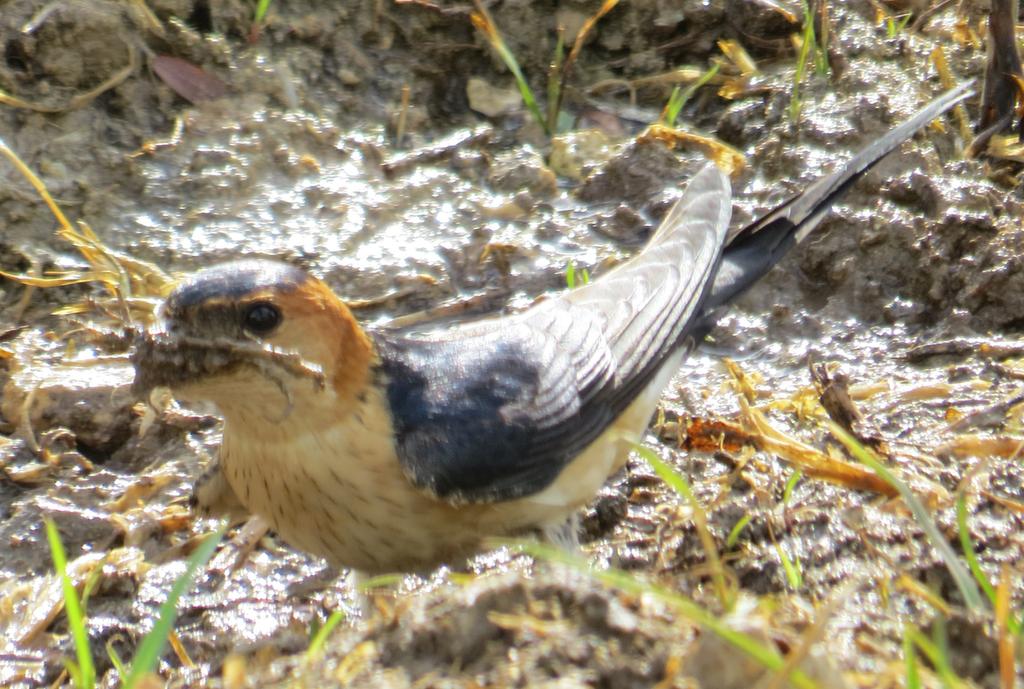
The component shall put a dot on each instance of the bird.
(395, 452)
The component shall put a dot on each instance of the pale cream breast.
(338, 491)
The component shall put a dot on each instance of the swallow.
(389, 452)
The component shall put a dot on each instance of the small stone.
(571, 20)
(520, 169)
(623, 224)
(620, 618)
(492, 101)
(576, 154)
(348, 77)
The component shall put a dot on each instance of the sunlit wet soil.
(466, 219)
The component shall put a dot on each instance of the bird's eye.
(260, 318)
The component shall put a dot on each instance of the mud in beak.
(164, 359)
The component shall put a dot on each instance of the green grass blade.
(85, 674)
(967, 545)
(261, 11)
(937, 654)
(765, 655)
(76, 673)
(483, 21)
(821, 64)
(794, 575)
(681, 486)
(316, 643)
(791, 482)
(893, 28)
(555, 80)
(152, 646)
(941, 640)
(806, 46)
(680, 97)
(522, 85)
(570, 275)
(913, 676)
(115, 660)
(675, 103)
(734, 534)
(964, 582)
(381, 581)
(92, 581)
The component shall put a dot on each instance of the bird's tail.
(760, 245)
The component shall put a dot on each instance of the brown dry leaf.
(234, 671)
(734, 88)
(28, 474)
(123, 274)
(187, 80)
(929, 391)
(61, 279)
(151, 680)
(964, 35)
(125, 277)
(739, 57)
(812, 461)
(1007, 639)
(179, 650)
(48, 599)
(143, 487)
(727, 158)
(864, 391)
(1006, 147)
(175, 518)
(1012, 505)
(919, 590)
(673, 668)
(743, 382)
(682, 75)
(938, 58)
(1020, 94)
(786, 13)
(588, 26)
(973, 445)
(527, 623)
(355, 662)
(707, 435)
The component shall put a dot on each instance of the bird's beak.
(163, 359)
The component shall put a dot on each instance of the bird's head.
(252, 335)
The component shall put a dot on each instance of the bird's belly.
(341, 495)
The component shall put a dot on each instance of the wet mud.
(434, 211)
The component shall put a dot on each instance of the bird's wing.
(495, 410)
(760, 245)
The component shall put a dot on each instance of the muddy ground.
(470, 213)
